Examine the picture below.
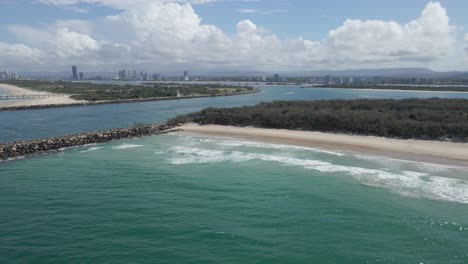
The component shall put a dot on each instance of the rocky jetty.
(27, 148)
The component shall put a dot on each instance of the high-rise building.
(4, 75)
(75, 72)
(81, 76)
(276, 78)
(125, 74)
(186, 75)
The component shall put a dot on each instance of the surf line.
(27, 148)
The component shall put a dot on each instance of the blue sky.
(314, 18)
(310, 19)
(257, 29)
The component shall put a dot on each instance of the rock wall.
(26, 148)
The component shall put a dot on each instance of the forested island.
(111, 92)
(428, 119)
(397, 87)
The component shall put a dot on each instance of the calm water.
(21, 125)
(182, 198)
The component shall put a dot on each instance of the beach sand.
(418, 150)
(18, 91)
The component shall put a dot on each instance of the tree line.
(429, 119)
(100, 92)
(433, 88)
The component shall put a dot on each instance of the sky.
(225, 35)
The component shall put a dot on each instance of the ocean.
(185, 198)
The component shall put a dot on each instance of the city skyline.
(173, 35)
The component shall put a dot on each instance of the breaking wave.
(253, 144)
(127, 146)
(91, 149)
(406, 182)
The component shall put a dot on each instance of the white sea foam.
(405, 164)
(15, 158)
(415, 174)
(127, 146)
(409, 183)
(91, 149)
(241, 143)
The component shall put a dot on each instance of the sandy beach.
(418, 150)
(18, 91)
(409, 91)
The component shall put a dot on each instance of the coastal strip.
(399, 88)
(15, 90)
(28, 148)
(123, 101)
(418, 150)
(55, 100)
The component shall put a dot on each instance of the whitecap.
(408, 183)
(91, 149)
(241, 143)
(127, 146)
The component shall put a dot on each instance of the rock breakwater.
(27, 148)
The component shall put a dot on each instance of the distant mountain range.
(392, 72)
(388, 73)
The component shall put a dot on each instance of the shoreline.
(399, 90)
(15, 90)
(54, 99)
(439, 152)
(66, 101)
(390, 90)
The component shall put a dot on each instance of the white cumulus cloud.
(164, 33)
(67, 43)
(427, 38)
(18, 55)
(120, 4)
(58, 42)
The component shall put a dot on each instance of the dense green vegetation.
(100, 92)
(434, 119)
(399, 87)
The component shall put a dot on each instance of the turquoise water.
(183, 198)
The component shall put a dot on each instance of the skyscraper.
(186, 76)
(81, 76)
(277, 78)
(75, 72)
